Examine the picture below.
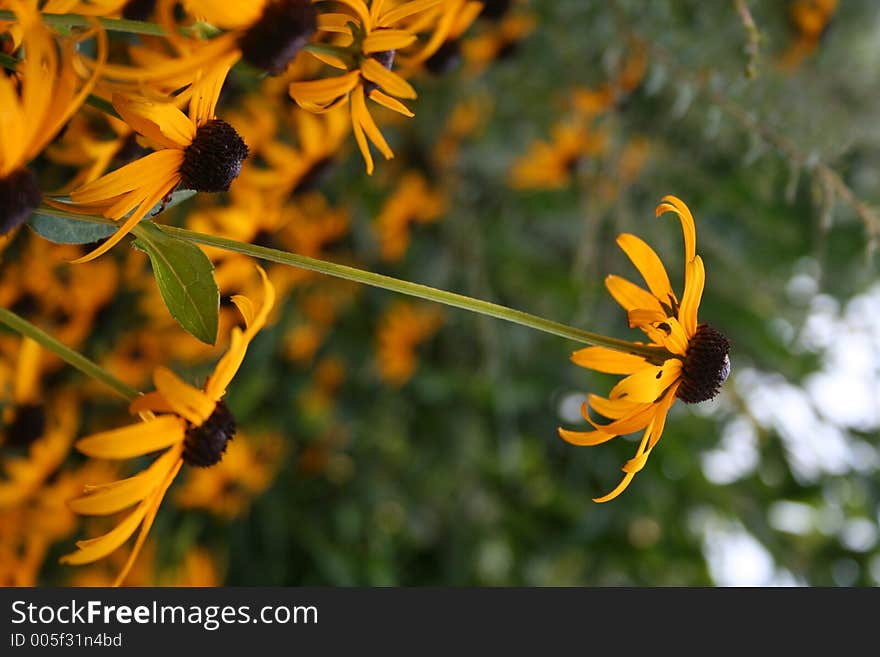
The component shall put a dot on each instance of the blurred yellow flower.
(401, 329)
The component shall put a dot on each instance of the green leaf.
(185, 277)
(68, 231)
(51, 225)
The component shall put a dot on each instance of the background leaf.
(185, 277)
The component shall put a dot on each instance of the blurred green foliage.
(458, 477)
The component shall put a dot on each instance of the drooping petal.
(585, 438)
(95, 548)
(134, 440)
(613, 409)
(676, 205)
(622, 486)
(636, 420)
(606, 360)
(649, 265)
(648, 384)
(657, 426)
(391, 103)
(118, 495)
(150, 516)
(362, 116)
(388, 80)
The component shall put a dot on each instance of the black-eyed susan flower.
(196, 151)
(192, 425)
(693, 358)
(35, 103)
(372, 36)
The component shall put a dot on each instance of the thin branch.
(753, 38)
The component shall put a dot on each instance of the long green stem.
(109, 24)
(655, 354)
(74, 358)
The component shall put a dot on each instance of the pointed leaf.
(185, 277)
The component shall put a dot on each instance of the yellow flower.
(412, 202)
(403, 327)
(193, 426)
(34, 105)
(550, 165)
(371, 32)
(198, 151)
(693, 358)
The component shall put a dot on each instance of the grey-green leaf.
(185, 277)
(68, 231)
(61, 230)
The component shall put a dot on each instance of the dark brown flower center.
(282, 31)
(27, 425)
(706, 365)
(213, 159)
(205, 444)
(19, 196)
(138, 10)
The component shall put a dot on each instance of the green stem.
(109, 24)
(416, 290)
(654, 354)
(74, 358)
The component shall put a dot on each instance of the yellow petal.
(695, 280)
(384, 40)
(157, 195)
(361, 10)
(152, 402)
(631, 296)
(361, 115)
(585, 438)
(657, 426)
(639, 418)
(650, 267)
(622, 486)
(323, 92)
(390, 103)
(405, 10)
(613, 408)
(606, 360)
(118, 495)
(152, 509)
(648, 384)
(134, 440)
(676, 205)
(388, 80)
(186, 400)
(96, 548)
(162, 123)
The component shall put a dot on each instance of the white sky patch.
(736, 455)
(792, 517)
(734, 556)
